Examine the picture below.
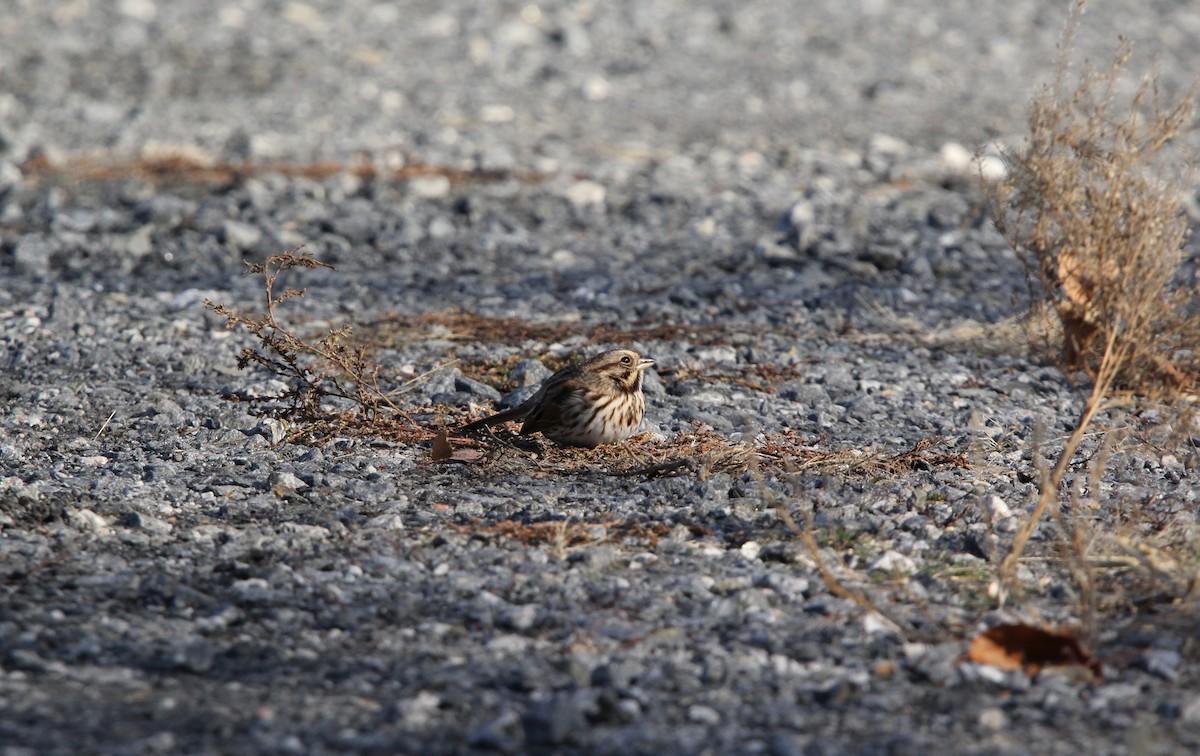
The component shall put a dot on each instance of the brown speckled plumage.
(598, 401)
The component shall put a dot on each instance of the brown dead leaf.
(442, 451)
(1029, 648)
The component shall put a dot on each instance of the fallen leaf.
(442, 450)
(1029, 648)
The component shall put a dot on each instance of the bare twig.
(107, 420)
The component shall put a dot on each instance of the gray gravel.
(179, 579)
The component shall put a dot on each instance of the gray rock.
(705, 715)
(556, 720)
(358, 222)
(789, 587)
(32, 255)
(501, 734)
(472, 386)
(529, 373)
(1190, 710)
(439, 381)
(389, 521)
(518, 396)
(243, 237)
(585, 195)
(1162, 663)
(89, 521)
(520, 618)
(283, 482)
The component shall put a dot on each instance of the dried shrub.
(1093, 205)
(333, 384)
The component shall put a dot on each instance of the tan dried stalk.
(331, 367)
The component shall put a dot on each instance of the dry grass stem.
(835, 586)
(104, 427)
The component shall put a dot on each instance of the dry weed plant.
(334, 387)
(1093, 204)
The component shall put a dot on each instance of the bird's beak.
(644, 363)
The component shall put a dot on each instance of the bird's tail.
(516, 413)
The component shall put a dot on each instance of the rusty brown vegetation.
(172, 168)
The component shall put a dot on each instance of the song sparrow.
(598, 401)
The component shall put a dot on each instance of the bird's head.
(623, 366)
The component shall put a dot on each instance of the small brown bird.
(598, 401)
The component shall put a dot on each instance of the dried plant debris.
(704, 453)
(182, 167)
(1093, 203)
(442, 451)
(566, 535)
(335, 388)
(791, 453)
(763, 377)
(334, 385)
(1030, 649)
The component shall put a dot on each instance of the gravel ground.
(775, 204)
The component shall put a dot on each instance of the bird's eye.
(626, 360)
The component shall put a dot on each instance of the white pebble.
(386, 522)
(893, 562)
(993, 718)
(704, 714)
(995, 508)
(585, 194)
(956, 158)
(86, 519)
(429, 187)
(992, 167)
